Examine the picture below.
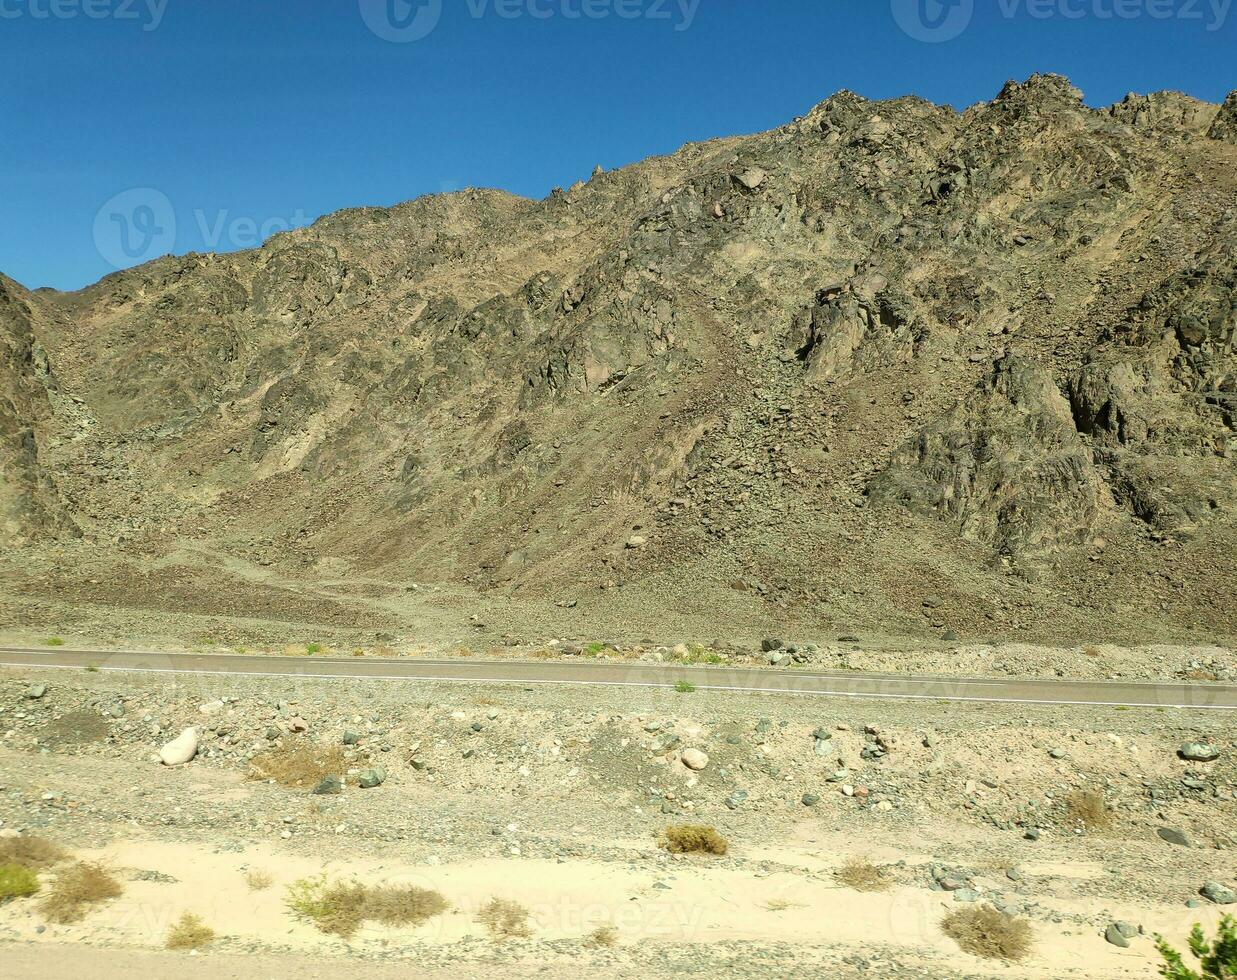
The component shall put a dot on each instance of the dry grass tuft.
(17, 881)
(32, 852)
(862, 875)
(606, 936)
(189, 933)
(77, 888)
(258, 880)
(1088, 808)
(693, 839)
(505, 919)
(341, 908)
(988, 933)
(782, 904)
(299, 762)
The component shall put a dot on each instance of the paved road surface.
(1203, 696)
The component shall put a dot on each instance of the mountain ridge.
(886, 359)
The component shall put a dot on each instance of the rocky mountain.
(891, 367)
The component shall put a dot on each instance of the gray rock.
(330, 786)
(369, 778)
(736, 799)
(1032, 834)
(1199, 752)
(1114, 935)
(810, 799)
(966, 895)
(36, 691)
(770, 643)
(1213, 891)
(351, 738)
(1057, 753)
(1173, 836)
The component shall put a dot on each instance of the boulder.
(1213, 891)
(1199, 752)
(694, 759)
(181, 749)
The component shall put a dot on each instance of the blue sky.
(226, 119)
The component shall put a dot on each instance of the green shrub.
(340, 908)
(1218, 959)
(17, 881)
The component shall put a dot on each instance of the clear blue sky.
(243, 112)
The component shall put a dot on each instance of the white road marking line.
(668, 686)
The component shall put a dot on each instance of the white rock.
(753, 178)
(181, 749)
(694, 759)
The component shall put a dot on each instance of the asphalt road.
(1154, 694)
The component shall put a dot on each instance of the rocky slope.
(890, 367)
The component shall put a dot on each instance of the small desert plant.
(31, 852)
(986, 932)
(1088, 808)
(693, 839)
(782, 904)
(190, 932)
(312, 648)
(685, 687)
(862, 876)
(340, 908)
(17, 881)
(92, 668)
(258, 880)
(76, 889)
(504, 918)
(1218, 958)
(603, 936)
(53, 641)
(298, 763)
(595, 649)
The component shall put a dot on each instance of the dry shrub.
(505, 919)
(862, 875)
(341, 908)
(258, 880)
(984, 931)
(782, 904)
(189, 933)
(1091, 651)
(604, 936)
(17, 881)
(77, 888)
(693, 839)
(393, 905)
(1088, 808)
(31, 852)
(298, 763)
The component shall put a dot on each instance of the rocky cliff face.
(887, 351)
